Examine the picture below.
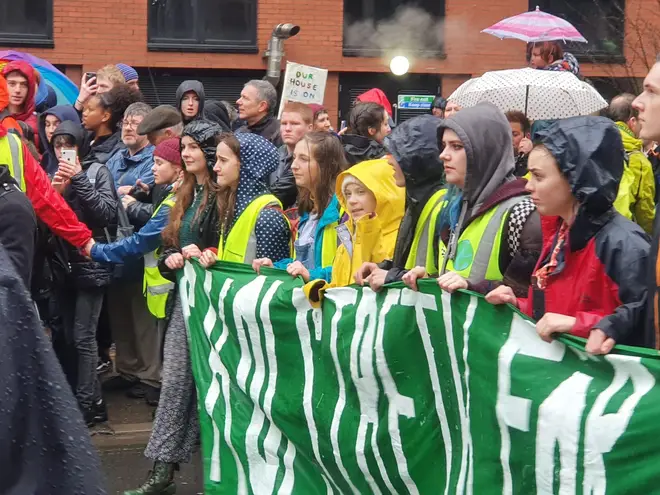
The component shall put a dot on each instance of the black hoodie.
(95, 204)
(197, 88)
(414, 145)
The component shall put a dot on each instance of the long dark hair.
(328, 152)
(365, 116)
(226, 196)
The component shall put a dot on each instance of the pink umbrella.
(535, 26)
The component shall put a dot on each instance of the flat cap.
(159, 118)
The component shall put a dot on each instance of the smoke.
(410, 29)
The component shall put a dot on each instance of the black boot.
(89, 415)
(100, 412)
(159, 482)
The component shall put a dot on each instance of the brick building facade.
(222, 41)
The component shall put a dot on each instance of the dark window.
(26, 23)
(601, 22)
(376, 27)
(203, 25)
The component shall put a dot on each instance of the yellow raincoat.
(372, 237)
(636, 197)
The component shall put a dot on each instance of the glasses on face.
(130, 124)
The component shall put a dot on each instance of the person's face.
(383, 131)
(517, 134)
(293, 128)
(304, 167)
(536, 60)
(227, 167)
(249, 105)
(190, 104)
(454, 157)
(360, 201)
(164, 172)
(193, 156)
(648, 106)
(399, 178)
(322, 122)
(17, 84)
(437, 112)
(133, 84)
(51, 124)
(451, 109)
(104, 85)
(61, 146)
(94, 115)
(549, 189)
(129, 134)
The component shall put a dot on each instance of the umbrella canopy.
(540, 94)
(535, 26)
(66, 90)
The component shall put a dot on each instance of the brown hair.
(516, 116)
(365, 116)
(226, 196)
(185, 195)
(328, 152)
(301, 109)
(111, 73)
(548, 49)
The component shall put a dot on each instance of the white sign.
(304, 84)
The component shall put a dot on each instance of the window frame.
(43, 40)
(192, 45)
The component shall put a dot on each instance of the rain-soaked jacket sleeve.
(46, 445)
(644, 210)
(50, 206)
(99, 200)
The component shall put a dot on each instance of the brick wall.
(87, 38)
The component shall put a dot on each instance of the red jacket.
(600, 272)
(48, 204)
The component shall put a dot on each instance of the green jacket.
(636, 197)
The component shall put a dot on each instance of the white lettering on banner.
(514, 411)
(603, 430)
(362, 373)
(469, 317)
(341, 297)
(558, 423)
(423, 302)
(399, 405)
(301, 303)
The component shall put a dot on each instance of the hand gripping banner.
(407, 392)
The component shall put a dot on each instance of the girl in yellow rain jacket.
(375, 205)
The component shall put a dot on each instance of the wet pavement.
(121, 445)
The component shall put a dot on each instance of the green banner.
(407, 392)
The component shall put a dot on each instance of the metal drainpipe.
(275, 51)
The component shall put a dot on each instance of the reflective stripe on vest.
(11, 154)
(156, 287)
(240, 246)
(421, 249)
(478, 249)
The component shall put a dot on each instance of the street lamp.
(399, 65)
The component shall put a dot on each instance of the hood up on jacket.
(259, 158)
(630, 142)
(217, 112)
(70, 128)
(414, 145)
(203, 132)
(64, 113)
(378, 177)
(8, 122)
(486, 136)
(589, 153)
(27, 112)
(197, 88)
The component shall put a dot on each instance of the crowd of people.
(103, 202)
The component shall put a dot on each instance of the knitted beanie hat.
(348, 180)
(130, 74)
(169, 150)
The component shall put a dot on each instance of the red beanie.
(169, 150)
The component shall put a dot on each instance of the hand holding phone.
(69, 156)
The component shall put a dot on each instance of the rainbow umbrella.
(535, 26)
(66, 90)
